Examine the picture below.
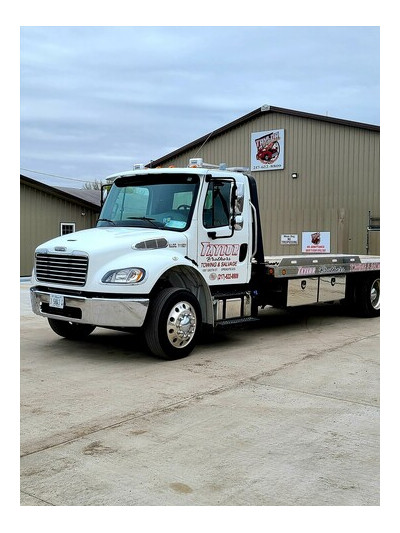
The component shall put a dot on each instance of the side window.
(216, 209)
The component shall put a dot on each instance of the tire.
(368, 296)
(70, 330)
(173, 325)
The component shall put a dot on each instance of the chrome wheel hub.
(181, 324)
(375, 294)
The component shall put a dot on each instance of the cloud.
(93, 98)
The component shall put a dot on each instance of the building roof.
(255, 114)
(87, 197)
(92, 196)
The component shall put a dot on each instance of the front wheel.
(173, 324)
(70, 330)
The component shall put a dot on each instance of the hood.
(113, 240)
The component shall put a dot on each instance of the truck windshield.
(162, 201)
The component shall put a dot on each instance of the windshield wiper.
(147, 219)
(106, 220)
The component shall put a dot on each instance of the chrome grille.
(62, 269)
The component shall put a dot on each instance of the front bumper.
(105, 312)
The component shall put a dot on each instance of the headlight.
(124, 275)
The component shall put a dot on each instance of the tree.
(93, 185)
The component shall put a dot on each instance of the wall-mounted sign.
(267, 150)
(289, 238)
(316, 242)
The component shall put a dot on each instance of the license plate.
(56, 300)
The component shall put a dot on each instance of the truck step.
(236, 321)
(229, 294)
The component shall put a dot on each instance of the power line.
(55, 175)
(209, 135)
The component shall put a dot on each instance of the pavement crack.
(318, 395)
(37, 498)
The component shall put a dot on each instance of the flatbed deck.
(319, 264)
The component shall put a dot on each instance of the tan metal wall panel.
(41, 215)
(338, 167)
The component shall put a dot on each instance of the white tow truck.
(177, 251)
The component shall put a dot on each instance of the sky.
(94, 100)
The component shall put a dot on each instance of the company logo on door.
(207, 248)
(218, 258)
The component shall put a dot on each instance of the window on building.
(67, 227)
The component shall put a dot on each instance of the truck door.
(223, 240)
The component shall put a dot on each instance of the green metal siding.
(338, 184)
(41, 215)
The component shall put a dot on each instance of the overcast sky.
(95, 100)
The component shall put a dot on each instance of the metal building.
(316, 176)
(47, 212)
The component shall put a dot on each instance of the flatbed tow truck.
(178, 251)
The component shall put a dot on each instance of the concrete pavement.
(285, 413)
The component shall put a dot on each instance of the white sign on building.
(268, 150)
(291, 238)
(316, 242)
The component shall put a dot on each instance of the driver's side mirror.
(105, 189)
(239, 199)
(238, 222)
(238, 202)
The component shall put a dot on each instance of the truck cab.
(199, 212)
